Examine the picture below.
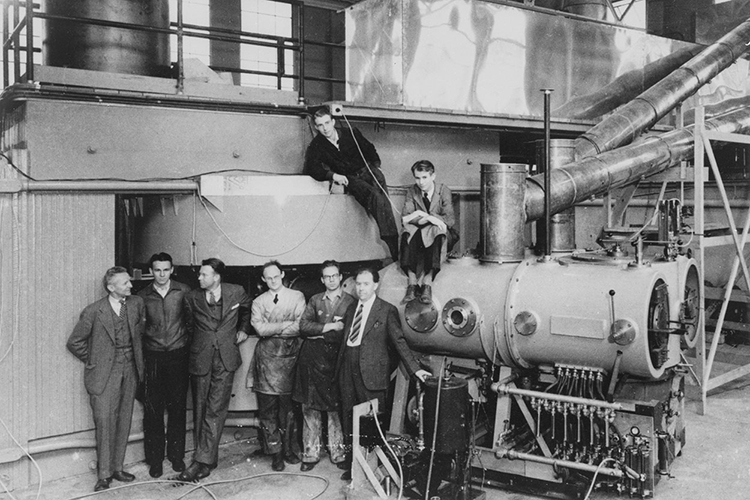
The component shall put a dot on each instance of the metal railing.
(18, 39)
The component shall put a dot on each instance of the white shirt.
(116, 305)
(217, 294)
(367, 306)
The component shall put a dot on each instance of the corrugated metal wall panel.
(70, 245)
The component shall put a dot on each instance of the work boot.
(426, 297)
(411, 294)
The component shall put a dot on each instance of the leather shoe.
(344, 465)
(346, 476)
(278, 462)
(195, 472)
(291, 458)
(122, 476)
(307, 466)
(426, 297)
(102, 484)
(178, 465)
(155, 470)
(411, 294)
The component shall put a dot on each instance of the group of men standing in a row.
(327, 355)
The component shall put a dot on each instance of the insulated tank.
(104, 48)
(453, 417)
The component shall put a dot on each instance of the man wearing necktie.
(217, 319)
(107, 338)
(363, 366)
(275, 317)
(427, 219)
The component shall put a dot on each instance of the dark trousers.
(414, 252)
(211, 395)
(354, 392)
(113, 413)
(367, 192)
(278, 424)
(165, 389)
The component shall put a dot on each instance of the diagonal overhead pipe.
(653, 104)
(599, 174)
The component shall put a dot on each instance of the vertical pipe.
(16, 41)
(6, 31)
(29, 40)
(180, 48)
(502, 214)
(301, 63)
(547, 176)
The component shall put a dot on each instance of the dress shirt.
(366, 307)
(163, 291)
(116, 305)
(217, 295)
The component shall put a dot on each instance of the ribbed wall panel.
(70, 243)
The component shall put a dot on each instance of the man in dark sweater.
(345, 157)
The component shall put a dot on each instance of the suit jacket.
(93, 340)
(441, 206)
(383, 326)
(203, 329)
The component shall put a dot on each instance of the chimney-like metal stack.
(72, 44)
(501, 212)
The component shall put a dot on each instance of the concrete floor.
(714, 465)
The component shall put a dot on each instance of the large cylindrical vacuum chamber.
(574, 311)
(103, 48)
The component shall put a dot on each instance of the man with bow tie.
(275, 317)
(107, 338)
(217, 319)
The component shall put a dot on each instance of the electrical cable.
(10, 495)
(593, 480)
(38, 469)
(204, 486)
(435, 428)
(240, 247)
(368, 165)
(398, 462)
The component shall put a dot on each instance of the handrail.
(24, 25)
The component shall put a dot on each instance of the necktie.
(276, 299)
(354, 332)
(211, 298)
(123, 309)
(426, 201)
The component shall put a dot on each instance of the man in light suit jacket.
(363, 366)
(217, 319)
(107, 339)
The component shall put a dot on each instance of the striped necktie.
(123, 309)
(354, 332)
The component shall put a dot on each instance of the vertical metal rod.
(29, 40)
(547, 175)
(6, 32)
(16, 41)
(180, 49)
(301, 62)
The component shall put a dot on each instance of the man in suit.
(107, 338)
(165, 349)
(363, 367)
(218, 318)
(344, 156)
(427, 219)
(322, 329)
(275, 317)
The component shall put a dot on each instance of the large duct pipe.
(646, 109)
(599, 174)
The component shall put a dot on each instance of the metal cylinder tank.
(453, 415)
(584, 314)
(102, 48)
(563, 231)
(501, 212)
